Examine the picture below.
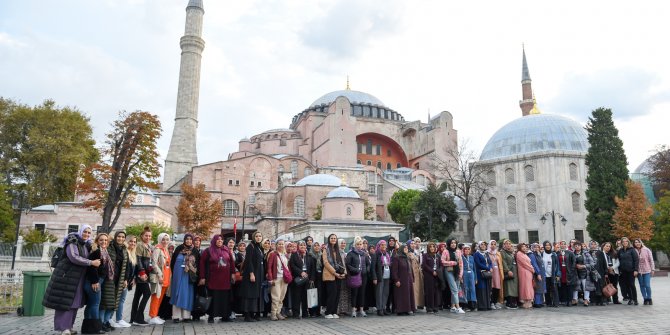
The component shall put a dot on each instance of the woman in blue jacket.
(482, 267)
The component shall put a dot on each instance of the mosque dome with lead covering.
(355, 97)
(342, 192)
(319, 179)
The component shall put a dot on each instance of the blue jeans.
(122, 300)
(106, 315)
(453, 287)
(644, 279)
(92, 300)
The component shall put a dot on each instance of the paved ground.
(612, 319)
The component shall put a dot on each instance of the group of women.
(274, 279)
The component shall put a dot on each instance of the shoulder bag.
(355, 281)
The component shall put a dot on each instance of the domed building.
(535, 167)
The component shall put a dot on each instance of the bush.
(33, 236)
(156, 229)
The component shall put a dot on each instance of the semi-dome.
(353, 96)
(536, 133)
(320, 179)
(342, 192)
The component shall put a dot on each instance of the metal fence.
(11, 290)
(32, 250)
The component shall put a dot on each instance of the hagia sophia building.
(336, 166)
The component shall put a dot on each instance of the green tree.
(42, 148)
(607, 176)
(401, 206)
(434, 202)
(129, 163)
(7, 225)
(156, 228)
(661, 239)
(33, 236)
(318, 213)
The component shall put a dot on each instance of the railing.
(11, 290)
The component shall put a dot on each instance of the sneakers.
(140, 323)
(362, 314)
(453, 310)
(123, 324)
(459, 311)
(335, 316)
(329, 316)
(273, 317)
(353, 311)
(156, 321)
(66, 332)
(114, 324)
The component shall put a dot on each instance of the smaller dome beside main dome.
(353, 96)
(342, 192)
(536, 133)
(319, 179)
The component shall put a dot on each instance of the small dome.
(536, 133)
(343, 192)
(645, 167)
(245, 139)
(319, 179)
(353, 96)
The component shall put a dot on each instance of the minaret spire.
(526, 103)
(183, 155)
(348, 87)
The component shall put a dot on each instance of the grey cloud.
(627, 91)
(348, 26)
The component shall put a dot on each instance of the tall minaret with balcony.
(183, 155)
(527, 102)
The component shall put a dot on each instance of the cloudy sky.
(265, 61)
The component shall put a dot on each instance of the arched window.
(511, 205)
(531, 203)
(573, 171)
(493, 206)
(576, 202)
(299, 206)
(529, 173)
(294, 169)
(358, 161)
(460, 224)
(308, 171)
(398, 166)
(379, 165)
(388, 166)
(509, 176)
(230, 208)
(491, 178)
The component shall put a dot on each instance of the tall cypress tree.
(608, 173)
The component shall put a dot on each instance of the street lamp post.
(553, 214)
(18, 204)
(429, 216)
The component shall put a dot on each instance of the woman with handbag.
(217, 274)
(601, 268)
(497, 276)
(539, 280)
(334, 272)
(357, 267)
(279, 276)
(483, 270)
(511, 284)
(402, 280)
(584, 265)
(184, 276)
(612, 273)
(159, 277)
(453, 268)
(316, 278)
(381, 276)
(253, 275)
(431, 284)
(302, 269)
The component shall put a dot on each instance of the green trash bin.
(34, 285)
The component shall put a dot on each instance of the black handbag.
(299, 281)
(486, 274)
(201, 304)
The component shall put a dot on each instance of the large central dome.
(353, 96)
(536, 133)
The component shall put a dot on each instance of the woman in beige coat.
(415, 262)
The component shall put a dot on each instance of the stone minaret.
(183, 155)
(526, 103)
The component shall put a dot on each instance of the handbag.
(486, 274)
(192, 277)
(287, 276)
(299, 281)
(355, 281)
(609, 290)
(312, 296)
(201, 304)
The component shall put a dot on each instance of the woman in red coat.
(217, 271)
(402, 280)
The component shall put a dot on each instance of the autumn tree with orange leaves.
(129, 162)
(197, 212)
(632, 217)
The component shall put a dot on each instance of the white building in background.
(535, 166)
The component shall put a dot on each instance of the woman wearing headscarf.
(301, 265)
(453, 268)
(469, 278)
(483, 273)
(539, 279)
(645, 269)
(65, 291)
(159, 277)
(525, 276)
(584, 264)
(216, 273)
(240, 254)
(315, 258)
(334, 272)
(415, 261)
(344, 305)
(552, 274)
(511, 282)
(357, 263)
(184, 265)
(497, 276)
(122, 277)
(197, 241)
(381, 276)
(402, 280)
(142, 270)
(445, 292)
(266, 302)
(601, 269)
(99, 296)
(431, 283)
(253, 275)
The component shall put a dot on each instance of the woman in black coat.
(253, 275)
(402, 279)
(301, 265)
(431, 283)
(357, 263)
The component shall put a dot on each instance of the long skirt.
(344, 306)
(220, 305)
(431, 290)
(484, 295)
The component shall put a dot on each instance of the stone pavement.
(612, 319)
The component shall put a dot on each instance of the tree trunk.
(471, 227)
